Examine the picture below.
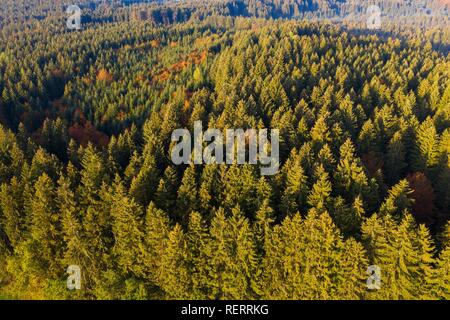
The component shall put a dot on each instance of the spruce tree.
(75, 248)
(350, 177)
(395, 159)
(391, 248)
(319, 195)
(427, 143)
(426, 274)
(187, 198)
(197, 259)
(441, 289)
(173, 274)
(209, 192)
(13, 219)
(165, 197)
(129, 249)
(46, 226)
(398, 200)
(351, 274)
(295, 191)
(157, 228)
(232, 255)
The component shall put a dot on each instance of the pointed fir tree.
(391, 248)
(129, 249)
(398, 200)
(350, 177)
(165, 197)
(209, 192)
(320, 192)
(326, 158)
(75, 249)
(426, 149)
(173, 273)
(45, 228)
(232, 255)
(426, 279)
(157, 228)
(197, 259)
(13, 219)
(240, 188)
(187, 198)
(295, 191)
(144, 185)
(395, 159)
(265, 217)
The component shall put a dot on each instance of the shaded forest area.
(86, 177)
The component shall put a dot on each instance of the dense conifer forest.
(86, 176)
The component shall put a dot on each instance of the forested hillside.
(86, 176)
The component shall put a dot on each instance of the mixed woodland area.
(86, 177)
